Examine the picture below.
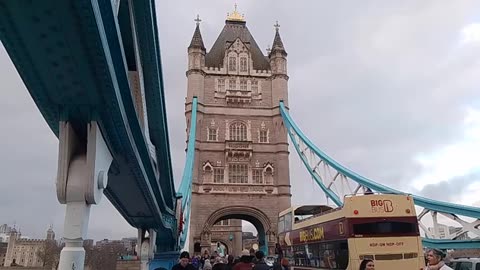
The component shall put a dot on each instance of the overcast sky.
(387, 88)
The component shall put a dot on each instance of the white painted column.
(82, 176)
(436, 231)
(146, 244)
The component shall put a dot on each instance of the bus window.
(385, 227)
(281, 224)
(332, 255)
(288, 222)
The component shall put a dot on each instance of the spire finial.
(276, 25)
(235, 15)
(197, 20)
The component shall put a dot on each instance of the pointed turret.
(196, 50)
(278, 44)
(197, 41)
(50, 233)
(278, 55)
(278, 62)
(196, 63)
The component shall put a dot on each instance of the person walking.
(435, 260)
(260, 264)
(184, 262)
(367, 264)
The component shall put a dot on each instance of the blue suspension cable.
(186, 184)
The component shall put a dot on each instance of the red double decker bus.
(383, 228)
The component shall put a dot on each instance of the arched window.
(232, 63)
(238, 132)
(243, 64)
(268, 172)
(207, 172)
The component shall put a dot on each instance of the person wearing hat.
(184, 262)
(435, 260)
(260, 264)
(245, 261)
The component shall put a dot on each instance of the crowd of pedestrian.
(248, 260)
(251, 260)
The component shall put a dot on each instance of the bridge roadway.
(75, 58)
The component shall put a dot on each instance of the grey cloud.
(373, 84)
(451, 189)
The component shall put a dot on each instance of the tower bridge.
(93, 69)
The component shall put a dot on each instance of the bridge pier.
(164, 260)
(81, 178)
(147, 246)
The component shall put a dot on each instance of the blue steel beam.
(186, 185)
(146, 29)
(451, 244)
(71, 58)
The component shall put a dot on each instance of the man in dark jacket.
(184, 263)
(260, 264)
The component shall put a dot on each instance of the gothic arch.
(248, 213)
(227, 244)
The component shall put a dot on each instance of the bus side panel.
(389, 253)
(353, 262)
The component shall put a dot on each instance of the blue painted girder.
(451, 244)
(71, 58)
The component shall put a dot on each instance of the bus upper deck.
(383, 227)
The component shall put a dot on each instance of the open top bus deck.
(382, 227)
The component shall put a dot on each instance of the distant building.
(88, 243)
(4, 228)
(249, 240)
(23, 252)
(129, 243)
(4, 233)
(226, 237)
(248, 235)
(448, 232)
(111, 244)
(455, 230)
(3, 253)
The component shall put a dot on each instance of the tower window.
(218, 175)
(255, 87)
(243, 64)
(232, 84)
(221, 85)
(257, 176)
(222, 223)
(212, 134)
(238, 132)
(264, 136)
(243, 85)
(238, 173)
(232, 63)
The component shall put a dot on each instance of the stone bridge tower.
(241, 167)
